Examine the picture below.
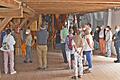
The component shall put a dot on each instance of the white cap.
(27, 31)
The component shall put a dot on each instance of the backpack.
(70, 42)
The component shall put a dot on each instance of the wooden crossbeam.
(15, 13)
(9, 3)
(72, 0)
(70, 6)
(30, 22)
(64, 7)
(5, 22)
(23, 22)
(28, 11)
(70, 10)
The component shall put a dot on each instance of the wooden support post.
(57, 21)
(53, 30)
(5, 22)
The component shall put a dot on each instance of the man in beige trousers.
(42, 37)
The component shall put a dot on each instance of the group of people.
(8, 48)
(77, 44)
(103, 38)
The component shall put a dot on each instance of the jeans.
(117, 47)
(64, 52)
(89, 58)
(28, 53)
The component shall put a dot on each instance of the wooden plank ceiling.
(70, 6)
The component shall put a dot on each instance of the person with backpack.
(78, 55)
(8, 51)
(69, 48)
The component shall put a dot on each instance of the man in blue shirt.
(42, 37)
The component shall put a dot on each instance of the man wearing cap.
(42, 37)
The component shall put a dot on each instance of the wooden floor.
(104, 69)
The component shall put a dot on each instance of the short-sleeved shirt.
(29, 40)
(63, 34)
(86, 45)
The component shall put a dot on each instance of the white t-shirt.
(101, 34)
(86, 45)
(10, 41)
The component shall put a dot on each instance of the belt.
(42, 44)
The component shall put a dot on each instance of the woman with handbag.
(8, 46)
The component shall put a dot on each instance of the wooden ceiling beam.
(4, 23)
(15, 13)
(71, 0)
(75, 9)
(9, 3)
(69, 7)
(67, 11)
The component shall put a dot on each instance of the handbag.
(5, 46)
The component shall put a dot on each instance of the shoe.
(74, 77)
(87, 71)
(14, 72)
(116, 61)
(39, 68)
(6, 72)
(44, 68)
(25, 61)
(106, 56)
(79, 76)
(85, 65)
(30, 61)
